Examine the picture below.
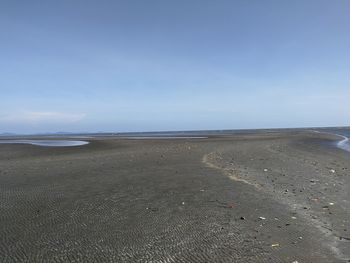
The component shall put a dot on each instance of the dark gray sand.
(278, 197)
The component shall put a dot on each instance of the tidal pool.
(48, 143)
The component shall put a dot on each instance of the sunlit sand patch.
(209, 160)
(163, 137)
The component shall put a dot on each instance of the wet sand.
(265, 197)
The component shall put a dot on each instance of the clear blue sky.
(173, 65)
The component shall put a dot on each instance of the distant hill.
(7, 134)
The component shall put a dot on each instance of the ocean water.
(344, 138)
(48, 143)
(345, 143)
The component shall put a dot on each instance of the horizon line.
(175, 131)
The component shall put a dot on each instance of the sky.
(157, 65)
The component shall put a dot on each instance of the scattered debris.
(345, 238)
(153, 209)
(262, 218)
(313, 180)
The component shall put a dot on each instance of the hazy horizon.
(124, 66)
(332, 128)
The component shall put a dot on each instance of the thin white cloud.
(41, 117)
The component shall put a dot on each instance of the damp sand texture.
(267, 197)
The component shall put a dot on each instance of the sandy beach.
(259, 197)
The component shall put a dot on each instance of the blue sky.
(173, 65)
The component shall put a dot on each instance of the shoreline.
(341, 144)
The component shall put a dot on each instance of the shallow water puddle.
(48, 143)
